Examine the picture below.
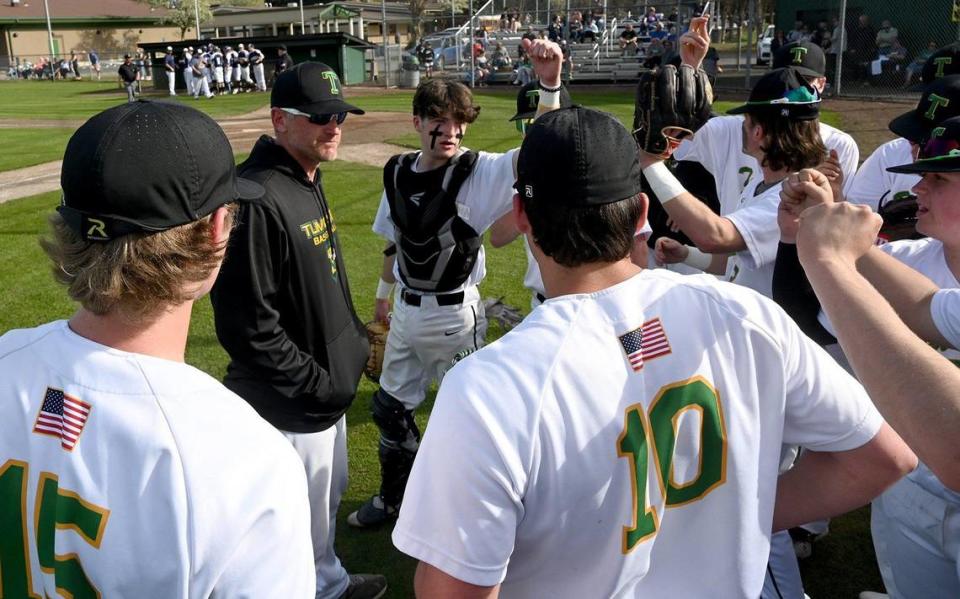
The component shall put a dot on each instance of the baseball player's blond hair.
(136, 276)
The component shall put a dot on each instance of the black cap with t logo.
(940, 154)
(940, 100)
(528, 98)
(312, 88)
(107, 193)
(805, 58)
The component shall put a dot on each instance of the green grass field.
(842, 565)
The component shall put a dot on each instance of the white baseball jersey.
(485, 196)
(576, 455)
(125, 475)
(945, 311)
(873, 182)
(718, 146)
(756, 220)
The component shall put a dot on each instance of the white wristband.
(551, 99)
(697, 259)
(662, 182)
(384, 289)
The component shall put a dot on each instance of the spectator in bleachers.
(821, 35)
(501, 57)
(778, 41)
(885, 37)
(918, 61)
(628, 40)
(575, 29)
(590, 32)
(796, 32)
(670, 53)
(482, 73)
(863, 48)
(650, 20)
(654, 55)
(658, 33)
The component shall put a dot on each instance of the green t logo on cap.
(942, 62)
(938, 131)
(798, 53)
(334, 81)
(533, 97)
(935, 103)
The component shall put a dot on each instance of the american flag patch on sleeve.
(62, 416)
(645, 343)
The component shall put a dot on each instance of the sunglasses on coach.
(318, 119)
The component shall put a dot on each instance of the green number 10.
(657, 427)
(55, 509)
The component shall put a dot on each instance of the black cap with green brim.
(784, 93)
(940, 154)
(939, 102)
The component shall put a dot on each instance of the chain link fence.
(874, 48)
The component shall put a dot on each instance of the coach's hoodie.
(282, 304)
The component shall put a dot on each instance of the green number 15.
(55, 509)
(657, 428)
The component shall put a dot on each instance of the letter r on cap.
(936, 102)
(332, 78)
(798, 53)
(97, 228)
(942, 62)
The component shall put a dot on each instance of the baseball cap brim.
(797, 112)
(524, 115)
(331, 106)
(910, 126)
(930, 165)
(807, 72)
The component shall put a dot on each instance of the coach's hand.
(837, 232)
(547, 59)
(695, 42)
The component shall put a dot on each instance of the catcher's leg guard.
(399, 441)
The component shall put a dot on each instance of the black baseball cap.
(577, 156)
(528, 98)
(940, 154)
(939, 101)
(805, 58)
(783, 92)
(310, 87)
(192, 173)
(943, 63)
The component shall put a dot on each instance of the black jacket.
(282, 305)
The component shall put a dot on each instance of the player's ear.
(417, 123)
(279, 120)
(222, 220)
(520, 216)
(644, 203)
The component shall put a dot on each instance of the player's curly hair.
(574, 235)
(437, 97)
(136, 276)
(789, 144)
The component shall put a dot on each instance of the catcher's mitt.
(899, 217)
(672, 103)
(377, 335)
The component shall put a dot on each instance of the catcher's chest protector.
(436, 249)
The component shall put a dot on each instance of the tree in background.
(182, 14)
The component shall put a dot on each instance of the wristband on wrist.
(384, 289)
(697, 259)
(662, 182)
(544, 88)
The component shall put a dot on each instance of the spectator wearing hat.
(283, 308)
(176, 487)
(170, 68)
(283, 62)
(129, 75)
